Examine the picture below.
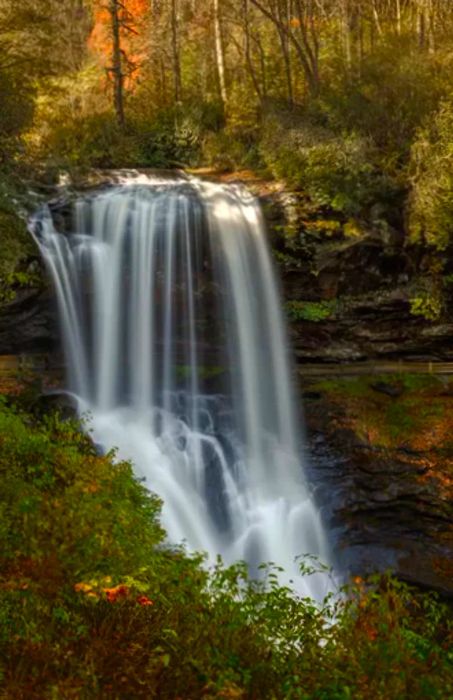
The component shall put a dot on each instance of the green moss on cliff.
(311, 311)
(391, 410)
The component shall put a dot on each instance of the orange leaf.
(143, 600)
(114, 594)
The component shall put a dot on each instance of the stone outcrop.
(370, 277)
(385, 488)
(28, 325)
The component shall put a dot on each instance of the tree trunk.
(398, 17)
(220, 53)
(117, 69)
(360, 41)
(376, 18)
(286, 53)
(429, 25)
(421, 29)
(175, 51)
(346, 31)
(248, 50)
(262, 54)
(305, 47)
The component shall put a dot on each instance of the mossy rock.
(416, 414)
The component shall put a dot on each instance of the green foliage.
(416, 408)
(428, 304)
(229, 150)
(431, 199)
(92, 604)
(16, 245)
(16, 112)
(336, 171)
(159, 138)
(311, 311)
(324, 228)
(397, 89)
(286, 259)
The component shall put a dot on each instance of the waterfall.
(175, 344)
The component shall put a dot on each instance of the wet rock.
(373, 276)
(59, 402)
(386, 507)
(387, 389)
(29, 324)
(311, 395)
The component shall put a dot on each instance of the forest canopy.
(340, 98)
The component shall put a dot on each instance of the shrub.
(93, 604)
(16, 112)
(430, 207)
(168, 138)
(427, 303)
(227, 151)
(336, 172)
(397, 89)
(16, 244)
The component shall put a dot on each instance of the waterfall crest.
(175, 344)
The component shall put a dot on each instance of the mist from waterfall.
(176, 346)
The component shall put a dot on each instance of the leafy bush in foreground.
(94, 605)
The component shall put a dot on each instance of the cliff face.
(352, 292)
(356, 293)
(28, 324)
(382, 451)
(381, 447)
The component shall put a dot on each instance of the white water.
(175, 343)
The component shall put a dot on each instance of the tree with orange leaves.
(116, 26)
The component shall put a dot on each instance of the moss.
(428, 304)
(399, 421)
(348, 386)
(311, 311)
(418, 416)
(419, 382)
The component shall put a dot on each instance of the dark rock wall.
(29, 325)
(382, 465)
(370, 278)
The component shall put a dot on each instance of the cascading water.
(175, 344)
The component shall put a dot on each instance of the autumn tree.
(116, 28)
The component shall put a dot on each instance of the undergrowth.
(94, 604)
